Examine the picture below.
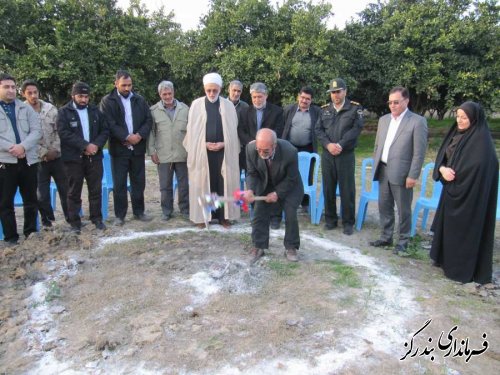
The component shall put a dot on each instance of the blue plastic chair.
(18, 202)
(107, 183)
(424, 201)
(305, 159)
(366, 195)
(321, 204)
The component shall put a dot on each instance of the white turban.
(212, 78)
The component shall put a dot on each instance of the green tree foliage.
(285, 47)
(445, 51)
(86, 40)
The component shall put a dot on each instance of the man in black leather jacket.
(83, 132)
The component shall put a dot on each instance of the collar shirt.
(171, 111)
(10, 111)
(84, 120)
(339, 108)
(128, 111)
(301, 129)
(391, 133)
(260, 115)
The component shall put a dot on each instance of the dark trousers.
(77, 171)
(215, 159)
(13, 176)
(166, 177)
(388, 194)
(134, 167)
(46, 170)
(262, 218)
(339, 170)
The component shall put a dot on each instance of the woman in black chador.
(464, 225)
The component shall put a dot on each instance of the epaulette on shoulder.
(355, 103)
(325, 106)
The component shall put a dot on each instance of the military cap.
(337, 84)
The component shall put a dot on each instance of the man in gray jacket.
(400, 147)
(20, 133)
(51, 165)
(170, 118)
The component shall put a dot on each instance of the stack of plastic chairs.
(366, 195)
(428, 200)
(310, 190)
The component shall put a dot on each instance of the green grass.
(53, 292)
(415, 249)
(344, 275)
(283, 269)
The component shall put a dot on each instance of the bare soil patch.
(166, 298)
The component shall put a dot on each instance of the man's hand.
(18, 151)
(271, 197)
(134, 139)
(91, 149)
(51, 155)
(334, 148)
(215, 146)
(410, 183)
(248, 196)
(155, 159)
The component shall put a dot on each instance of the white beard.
(214, 100)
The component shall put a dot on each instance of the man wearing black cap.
(130, 123)
(83, 132)
(338, 128)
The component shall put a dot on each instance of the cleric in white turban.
(213, 146)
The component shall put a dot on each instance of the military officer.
(338, 128)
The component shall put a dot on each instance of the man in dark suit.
(273, 172)
(300, 119)
(261, 114)
(130, 123)
(400, 147)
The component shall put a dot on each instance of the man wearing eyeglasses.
(400, 147)
(273, 172)
(338, 129)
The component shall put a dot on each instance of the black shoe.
(118, 222)
(330, 226)
(100, 225)
(399, 249)
(255, 254)
(47, 224)
(275, 225)
(348, 230)
(143, 217)
(11, 242)
(166, 217)
(380, 243)
(76, 229)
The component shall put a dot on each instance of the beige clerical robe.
(197, 160)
